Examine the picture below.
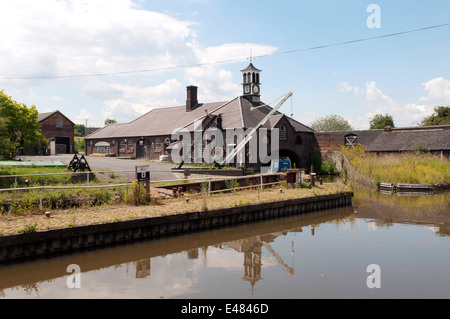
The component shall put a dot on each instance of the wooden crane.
(252, 132)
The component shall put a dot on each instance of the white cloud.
(438, 90)
(375, 95)
(128, 102)
(345, 87)
(404, 114)
(84, 115)
(70, 37)
(54, 37)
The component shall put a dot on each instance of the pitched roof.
(43, 116)
(433, 138)
(46, 115)
(251, 67)
(236, 113)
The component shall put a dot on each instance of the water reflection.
(318, 255)
(235, 249)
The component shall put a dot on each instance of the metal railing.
(207, 179)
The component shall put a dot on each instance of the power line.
(226, 61)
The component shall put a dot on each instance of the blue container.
(277, 166)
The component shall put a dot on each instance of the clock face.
(255, 89)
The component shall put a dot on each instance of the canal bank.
(54, 241)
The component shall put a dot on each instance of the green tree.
(79, 130)
(20, 125)
(331, 123)
(110, 121)
(380, 121)
(441, 116)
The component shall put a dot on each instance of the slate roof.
(251, 67)
(433, 138)
(237, 113)
(43, 116)
(46, 115)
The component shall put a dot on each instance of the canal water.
(384, 246)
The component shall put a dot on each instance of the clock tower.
(250, 83)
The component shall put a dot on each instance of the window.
(130, 145)
(102, 147)
(298, 140)
(123, 145)
(59, 124)
(350, 139)
(283, 133)
(157, 144)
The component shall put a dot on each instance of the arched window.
(102, 147)
(257, 78)
(253, 77)
(299, 140)
(283, 133)
(244, 78)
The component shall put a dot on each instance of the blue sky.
(405, 76)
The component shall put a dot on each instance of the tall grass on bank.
(412, 168)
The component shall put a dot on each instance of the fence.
(191, 185)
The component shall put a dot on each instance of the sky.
(118, 59)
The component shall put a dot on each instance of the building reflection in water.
(142, 268)
(251, 248)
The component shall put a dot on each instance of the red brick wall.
(49, 129)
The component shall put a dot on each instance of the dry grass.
(13, 224)
(413, 168)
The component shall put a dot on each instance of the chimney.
(191, 98)
(387, 128)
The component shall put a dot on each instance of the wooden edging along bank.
(48, 242)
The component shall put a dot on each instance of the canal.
(384, 246)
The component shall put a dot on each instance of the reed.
(413, 167)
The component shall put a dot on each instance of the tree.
(331, 123)
(110, 121)
(380, 121)
(441, 116)
(19, 125)
(79, 130)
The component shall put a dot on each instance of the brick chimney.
(387, 128)
(191, 98)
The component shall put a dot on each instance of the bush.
(328, 167)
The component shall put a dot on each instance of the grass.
(6, 182)
(412, 168)
(108, 212)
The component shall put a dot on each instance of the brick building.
(150, 135)
(435, 139)
(56, 126)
